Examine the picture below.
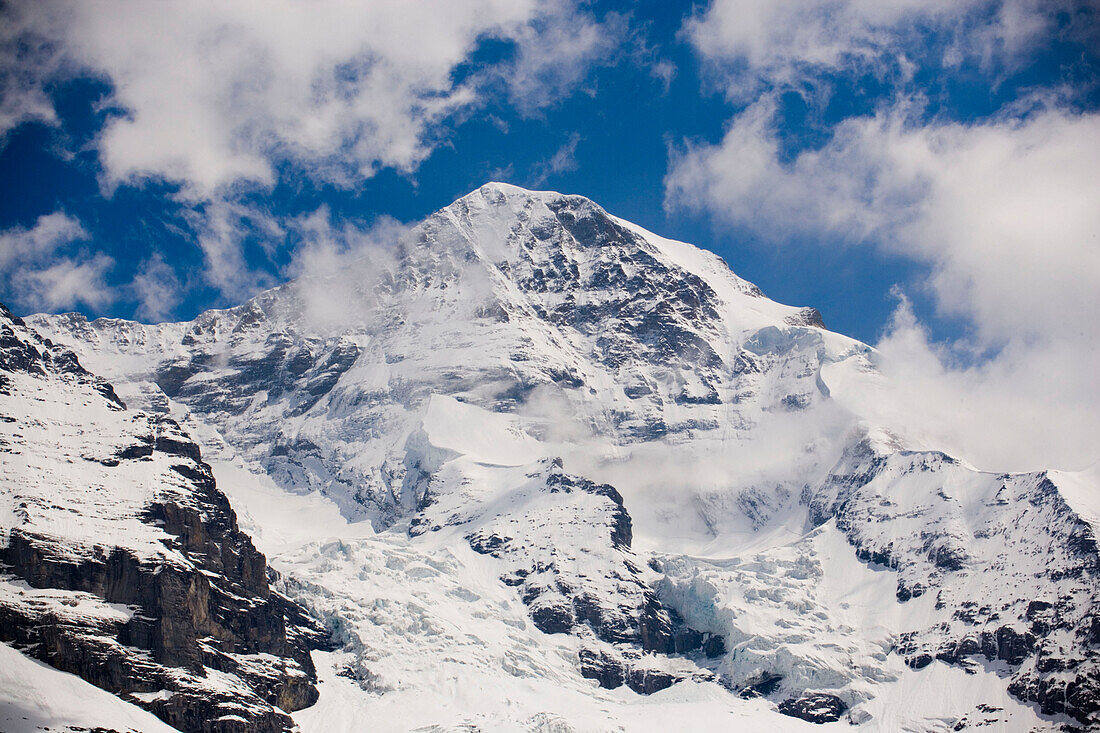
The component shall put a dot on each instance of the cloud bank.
(1003, 211)
(756, 44)
(216, 94)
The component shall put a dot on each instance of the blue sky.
(922, 172)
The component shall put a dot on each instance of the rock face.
(589, 584)
(817, 708)
(122, 561)
(661, 475)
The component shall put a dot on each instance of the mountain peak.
(511, 189)
(497, 197)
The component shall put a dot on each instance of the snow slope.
(38, 697)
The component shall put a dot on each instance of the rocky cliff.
(123, 563)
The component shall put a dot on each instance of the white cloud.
(338, 265)
(554, 53)
(35, 273)
(1036, 405)
(780, 41)
(1006, 214)
(66, 283)
(1005, 208)
(563, 160)
(223, 229)
(663, 71)
(157, 290)
(22, 246)
(328, 247)
(219, 93)
(27, 60)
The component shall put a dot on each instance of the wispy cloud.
(337, 265)
(1032, 407)
(223, 231)
(38, 274)
(663, 71)
(157, 289)
(563, 160)
(555, 52)
(756, 44)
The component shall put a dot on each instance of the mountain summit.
(502, 296)
(535, 463)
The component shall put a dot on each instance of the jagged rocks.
(612, 669)
(586, 581)
(807, 317)
(594, 582)
(602, 667)
(984, 716)
(38, 357)
(764, 685)
(1075, 693)
(906, 511)
(815, 708)
(647, 681)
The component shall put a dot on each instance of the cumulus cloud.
(780, 41)
(217, 94)
(1035, 406)
(1004, 213)
(1002, 208)
(37, 273)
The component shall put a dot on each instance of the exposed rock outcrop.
(567, 550)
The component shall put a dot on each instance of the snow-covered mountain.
(540, 469)
(123, 564)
